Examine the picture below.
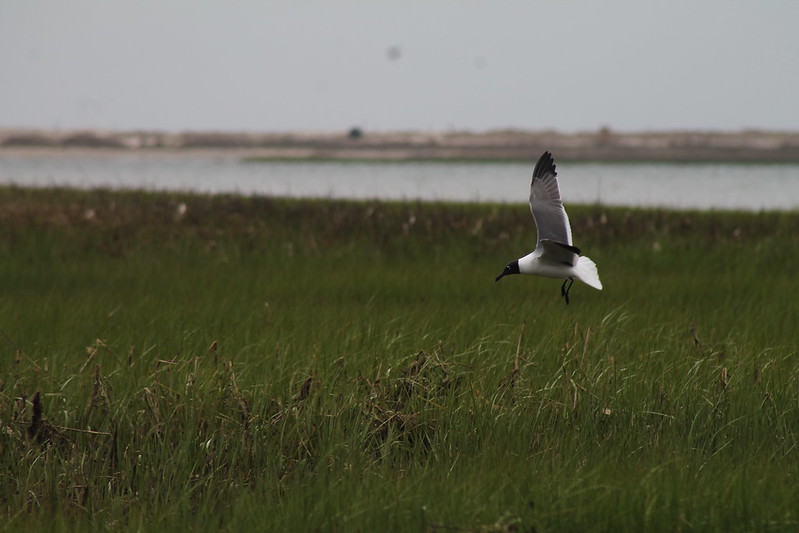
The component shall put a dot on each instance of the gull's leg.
(564, 290)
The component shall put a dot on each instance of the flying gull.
(554, 256)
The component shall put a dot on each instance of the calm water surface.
(705, 186)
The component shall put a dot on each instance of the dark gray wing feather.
(556, 253)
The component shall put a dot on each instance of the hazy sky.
(383, 65)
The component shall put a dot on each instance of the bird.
(555, 256)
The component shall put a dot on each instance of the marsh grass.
(196, 362)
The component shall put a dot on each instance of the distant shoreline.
(750, 146)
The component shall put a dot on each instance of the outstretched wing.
(546, 205)
(557, 253)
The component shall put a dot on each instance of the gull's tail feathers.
(585, 270)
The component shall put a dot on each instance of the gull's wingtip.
(545, 165)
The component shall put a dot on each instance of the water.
(703, 186)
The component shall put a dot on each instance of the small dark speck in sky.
(394, 53)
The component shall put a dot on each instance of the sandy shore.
(510, 145)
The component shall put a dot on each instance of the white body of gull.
(554, 256)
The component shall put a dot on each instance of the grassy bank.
(499, 145)
(177, 361)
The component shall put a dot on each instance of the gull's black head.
(510, 268)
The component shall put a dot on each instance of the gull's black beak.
(510, 268)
